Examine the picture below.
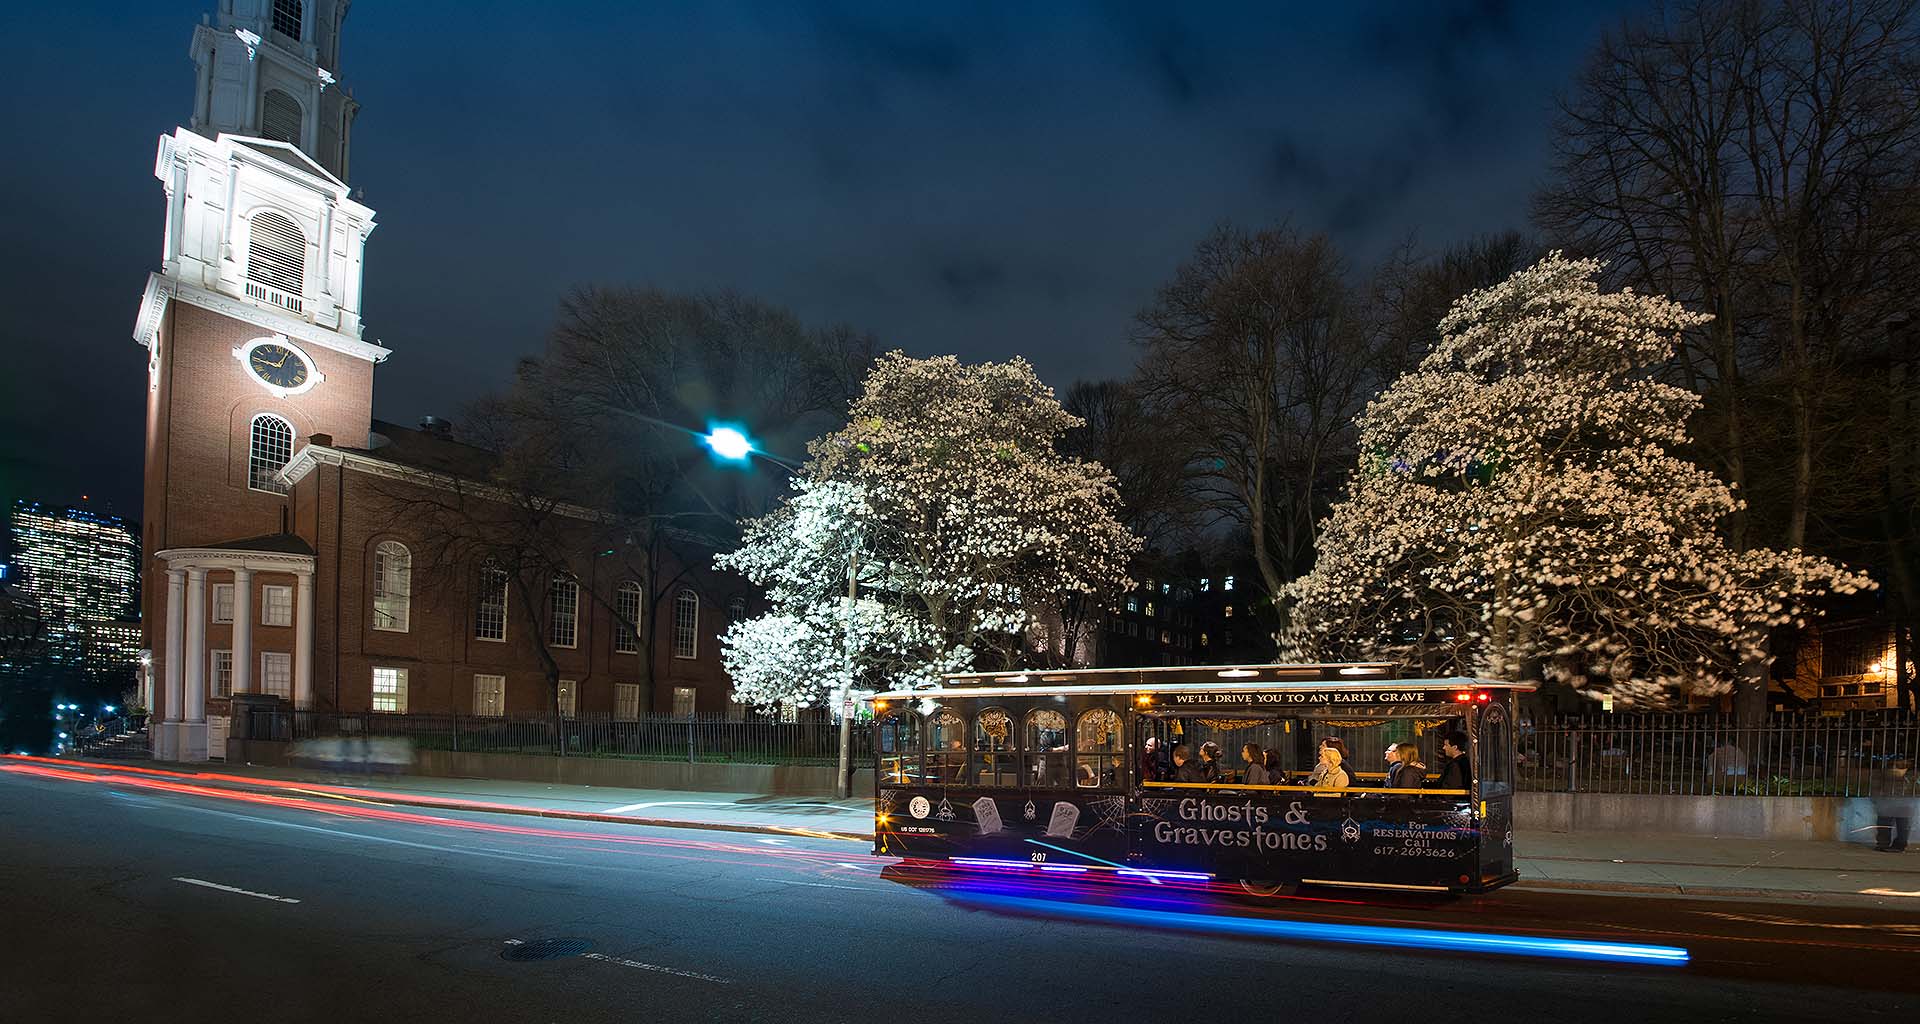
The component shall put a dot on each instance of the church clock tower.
(252, 327)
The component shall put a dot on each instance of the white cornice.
(230, 558)
(259, 316)
(311, 457)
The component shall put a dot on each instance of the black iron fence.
(694, 739)
(1710, 755)
(1684, 755)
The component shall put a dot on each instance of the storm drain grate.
(546, 949)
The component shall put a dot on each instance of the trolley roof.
(1368, 677)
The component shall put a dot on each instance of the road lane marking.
(638, 965)
(525, 858)
(1887, 892)
(243, 892)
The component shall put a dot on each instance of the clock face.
(278, 365)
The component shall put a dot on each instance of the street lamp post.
(733, 445)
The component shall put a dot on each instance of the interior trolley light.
(1236, 673)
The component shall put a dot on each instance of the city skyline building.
(82, 570)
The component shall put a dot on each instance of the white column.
(242, 630)
(193, 713)
(303, 642)
(173, 654)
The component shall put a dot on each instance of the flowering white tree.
(946, 500)
(1519, 510)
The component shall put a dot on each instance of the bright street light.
(729, 444)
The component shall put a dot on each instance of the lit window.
(392, 586)
(1203, 639)
(1226, 583)
(1150, 612)
(1097, 749)
(276, 255)
(490, 611)
(390, 690)
(1205, 584)
(563, 613)
(1046, 748)
(994, 748)
(489, 695)
(1133, 604)
(626, 628)
(684, 701)
(286, 18)
(276, 606)
(223, 602)
(269, 448)
(626, 702)
(220, 678)
(686, 624)
(276, 673)
(1166, 588)
(1227, 611)
(569, 698)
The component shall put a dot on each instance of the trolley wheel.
(1268, 888)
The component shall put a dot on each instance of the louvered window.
(270, 448)
(280, 117)
(392, 586)
(277, 255)
(286, 18)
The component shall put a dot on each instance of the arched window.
(1097, 749)
(1046, 748)
(946, 747)
(995, 748)
(286, 18)
(276, 260)
(736, 608)
(899, 740)
(268, 449)
(392, 586)
(281, 117)
(686, 624)
(627, 602)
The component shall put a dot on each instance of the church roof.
(290, 156)
(421, 449)
(275, 543)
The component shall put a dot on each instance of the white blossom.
(947, 490)
(1519, 500)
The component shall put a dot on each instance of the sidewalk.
(1703, 866)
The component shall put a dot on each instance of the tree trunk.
(1750, 685)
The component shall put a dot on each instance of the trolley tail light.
(1471, 697)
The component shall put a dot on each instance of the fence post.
(456, 732)
(1573, 762)
(690, 736)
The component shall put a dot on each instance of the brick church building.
(272, 558)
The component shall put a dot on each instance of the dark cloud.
(970, 280)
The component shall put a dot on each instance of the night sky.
(987, 181)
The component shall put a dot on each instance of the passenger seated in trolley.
(1406, 772)
(1328, 772)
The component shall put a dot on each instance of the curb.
(623, 819)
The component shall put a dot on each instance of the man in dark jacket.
(1152, 768)
(1455, 773)
(1187, 768)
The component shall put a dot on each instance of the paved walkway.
(1705, 866)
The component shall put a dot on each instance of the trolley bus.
(1052, 771)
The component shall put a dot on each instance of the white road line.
(624, 808)
(696, 975)
(826, 885)
(526, 858)
(243, 892)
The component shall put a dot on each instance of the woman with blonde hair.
(1328, 772)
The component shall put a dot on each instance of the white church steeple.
(270, 69)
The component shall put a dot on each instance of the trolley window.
(994, 749)
(1098, 746)
(899, 741)
(946, 747)
(1046, 748)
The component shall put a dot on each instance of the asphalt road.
(162, 905)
